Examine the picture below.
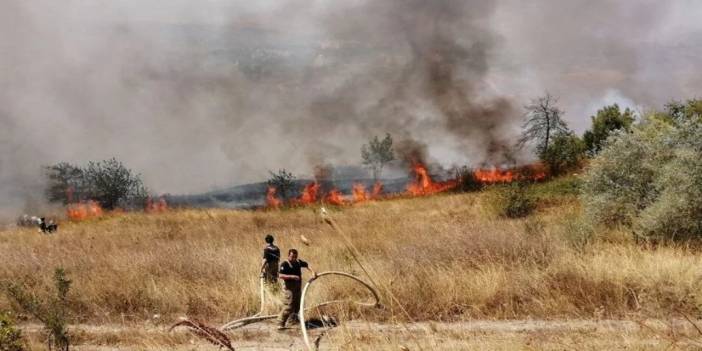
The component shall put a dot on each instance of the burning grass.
(421, 184)
(446, 257)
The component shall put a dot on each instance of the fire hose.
(258, 317)
(217, 337)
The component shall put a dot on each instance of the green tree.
(607, 120)
(377, 153)
(283, 181)
(66, 183)
(565, 153)
(543, 121)
(108, 182)
(112, 184)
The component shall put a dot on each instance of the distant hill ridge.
(254, 195)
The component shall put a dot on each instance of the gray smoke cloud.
(203, 94)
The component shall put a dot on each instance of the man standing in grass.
(269, 264)
(291, 274)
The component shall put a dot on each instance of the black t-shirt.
(293, 268)
(271, 253)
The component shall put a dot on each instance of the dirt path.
(358, 335)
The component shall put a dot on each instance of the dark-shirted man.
(291, 274)
(269, 264)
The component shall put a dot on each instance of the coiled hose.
(258, 317)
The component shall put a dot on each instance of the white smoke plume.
(202, 94)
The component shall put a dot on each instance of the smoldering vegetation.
(197, 96)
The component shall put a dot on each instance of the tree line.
(107, 182)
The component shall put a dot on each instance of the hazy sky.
(201, 94)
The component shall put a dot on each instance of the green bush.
(649, 179)
(514, 201)
(10, 336)
(564, 154)
(52, 313)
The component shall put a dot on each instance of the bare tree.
(543, 122)
(377, 153)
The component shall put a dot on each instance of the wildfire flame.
(83, 210)
(377, 190)
(309, 194)
(495, 175)
(423, 185)
(155, 206)
(359, 193)
(335, 197)
(271, 199)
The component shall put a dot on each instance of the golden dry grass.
(445, 258)
(361, 336)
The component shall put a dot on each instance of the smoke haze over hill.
(201, 94)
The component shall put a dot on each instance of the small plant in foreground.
(10, 336)
(52, 313)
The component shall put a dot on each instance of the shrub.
(10, 336)
(514, 201)
(649, 180)
(53, 313)
(564, 154)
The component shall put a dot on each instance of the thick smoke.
(197, 95)
(425, 76)
(591, 53)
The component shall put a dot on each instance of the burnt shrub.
(467, 181)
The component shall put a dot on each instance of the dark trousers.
(291, 303)
(270, 274)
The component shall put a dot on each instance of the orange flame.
(423, 185)
(359, 193)
(335, 197)
(83, 210)
(377, 190)
(494, 175)
(272, 200)
(155, 206)
(309, 194)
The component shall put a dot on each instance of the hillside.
(445, 258)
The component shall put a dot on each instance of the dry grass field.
(446, 259)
